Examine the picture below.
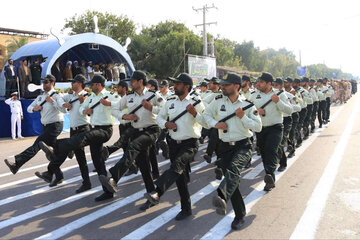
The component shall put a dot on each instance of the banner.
(301, 71)
(201, 67)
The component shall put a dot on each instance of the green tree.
(14, 44)
(116, 27)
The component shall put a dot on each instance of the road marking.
(63, 202)
(255, 171)
(111, 159)
(68, 228)
(170, 214)
(309, 221)
(223, 227)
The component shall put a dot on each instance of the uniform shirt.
(51, 112)
(132, 100)
(76, 118)
(204, 94)
(167, 94)
(238, 129)
(322, 93)
(294, 104)
(210, 97)
(101, 115)
(273, 111)
(15, 106)
(247, 94)
(188, 126)
(300, 98)
(306, 95)
(314, 94)
(330, 91)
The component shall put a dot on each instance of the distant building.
(8, 34)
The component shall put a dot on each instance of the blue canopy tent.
(87, 46)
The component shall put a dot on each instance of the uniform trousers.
(95, 138)
(140, 142)
(281, 152)
(15, 121)
(233, 158)
(48, 135)
(313, 115)
(269, 141)
(307, 119)
(213, 141)
(292, 133)
(328, 103)
(302, 115)
(180, 153)
(321, 111)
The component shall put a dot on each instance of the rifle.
(234, 114)
(74, 100)
(140, 105)
(183, 113)
(269, 101)
(41, 104)
(97, 104)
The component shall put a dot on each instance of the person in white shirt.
(16, 115)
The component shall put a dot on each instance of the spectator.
(16, 115)
(75, 69)
(115, 72)
(108, 72)
(24, 78)
(67, 73)
(56, 71)
(122, 69)
(35, 72)
(83, 68)
(10, 76)
(90, 71)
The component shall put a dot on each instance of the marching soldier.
(50, 106)
(321, 91)
(214, 87)
(313, 93)
(144, 132)
(78, 123)
(302, 113)
(287, 122)
(328, 95)
(16, 115)
(98, 106)
(272, 121)
(246, 90)
(309, 107)
(183, 146)
(234, 148)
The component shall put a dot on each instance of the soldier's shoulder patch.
(194, 93)
(153, 91)
(171, 98)
(258, 96)
(248, 101)
(252, 92)
(218, 97)
(116, 96)
(160, 99)
(195, 99)
(129, 92)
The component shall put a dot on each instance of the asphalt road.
(318, 196)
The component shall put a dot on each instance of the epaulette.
(194, 93)
(153, 91)
(129, 92)
(170, 98)
(218, 97)
(252, 92)
(196, 99)
(249, 101)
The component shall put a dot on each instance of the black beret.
(288, 79)
(305, 79)
(79, 78)
(49, 77)
(183, 77)
(312, 80)
(97, 79)
(231, 78)
(245, 78)
(267, 77)
(123, 83)
(163, 83)
(296, 80)
(137, 75)
(279, 81)
(154, 83)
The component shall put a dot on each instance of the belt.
(275, 125)
(79, 127)
(233, 143)
(101, 126)
(50, 124)
(145, 128)
(183, 141)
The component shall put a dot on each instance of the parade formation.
(238, 115)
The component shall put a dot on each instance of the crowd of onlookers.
(28, 72)
(343, 90)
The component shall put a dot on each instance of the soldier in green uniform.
(272, 121)
(234, 147)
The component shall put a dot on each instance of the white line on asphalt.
(222, 228)
(255, 171)
(309, 221)
(62, 202)
(68, 228)
(167, 216)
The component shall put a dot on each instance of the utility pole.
(204, 9)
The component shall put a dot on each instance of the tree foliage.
(14, 44)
